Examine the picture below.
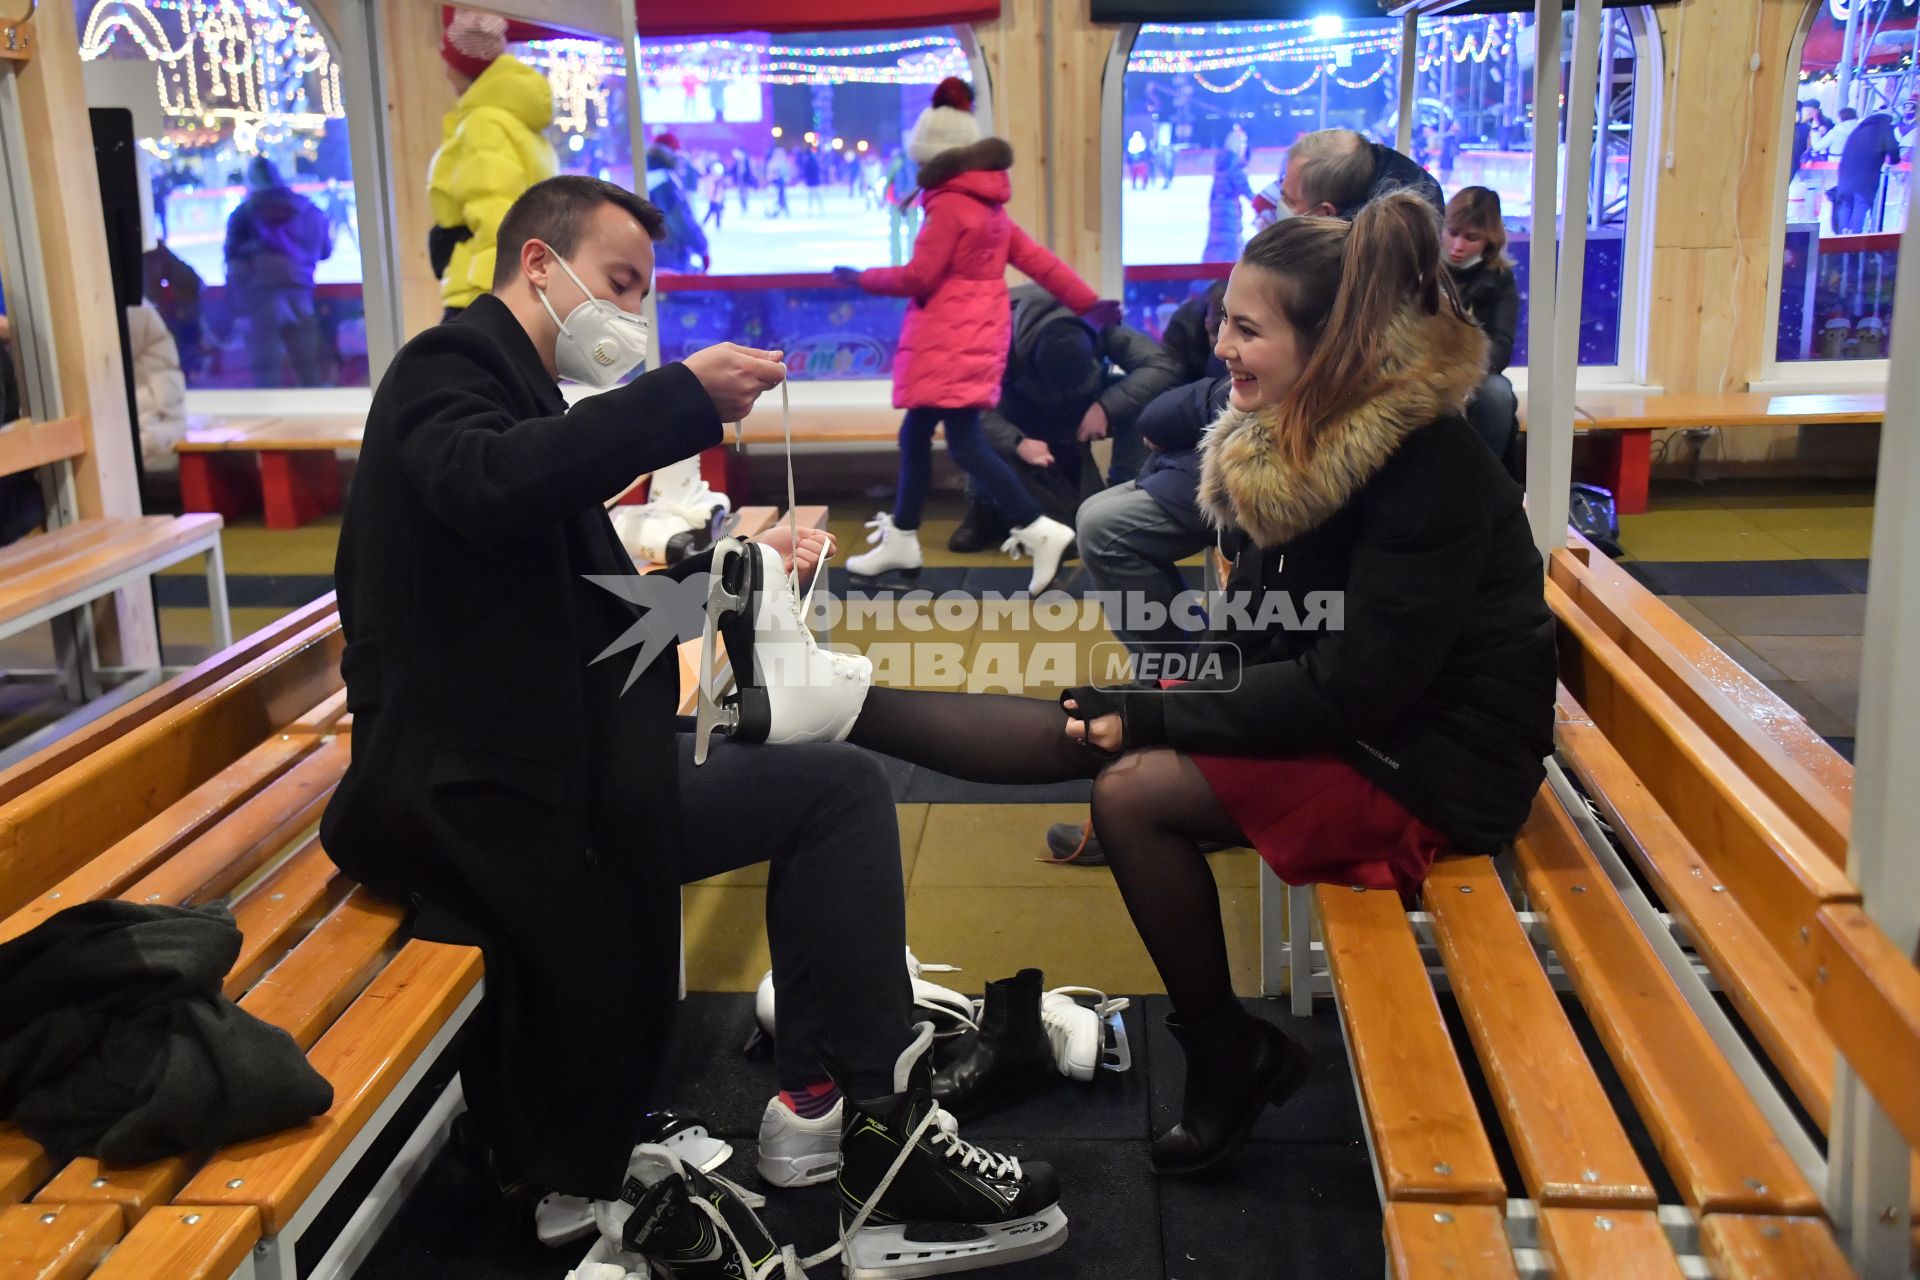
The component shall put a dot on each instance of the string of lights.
(1302, 87)
(260, 64)
(1386, 65)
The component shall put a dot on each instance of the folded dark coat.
(115, 1041)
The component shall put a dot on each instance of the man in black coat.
(507, 784)
(1333, 172)
(1067, 384)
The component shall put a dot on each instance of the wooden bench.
(206, 793)
(53, 577)
(1713, 879)
(284, 467)
(1622, 424)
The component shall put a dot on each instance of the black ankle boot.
(1237, 1066)
(1008, 1060)
(981, 529)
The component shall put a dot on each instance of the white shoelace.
(882, 526)
(991, 1164)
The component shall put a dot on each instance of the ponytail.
(1344, 285)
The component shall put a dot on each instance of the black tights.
(1150, 810)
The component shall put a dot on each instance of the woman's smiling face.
(1259, 344)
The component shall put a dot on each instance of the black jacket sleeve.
(1412, 584)
(490, 478)
(1175, 419)
(1502, 322)
(1002, 434)
(1149, 371)
(1186, 339)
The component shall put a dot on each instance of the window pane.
(1853, 135)
(1207, 104)
(779, 158)
(589, 133)
(254, 254)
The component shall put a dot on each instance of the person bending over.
(1354, 749)
(1333, 172)
(511, 787)
(1058, 395)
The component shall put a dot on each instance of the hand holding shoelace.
(734, 376)
(1102, 733)
(815, 549)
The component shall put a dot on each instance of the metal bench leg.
(217, 597)
(1300, 939)
(1275, 955)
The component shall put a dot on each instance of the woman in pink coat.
(953, 344)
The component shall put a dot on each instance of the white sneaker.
(898, 550)
(1047, 541)
(1083, 1039)
(795, 1151)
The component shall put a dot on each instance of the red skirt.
(1317, 820)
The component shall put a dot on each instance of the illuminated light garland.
(579, 72)
(1182, 62)
(1302, 87)
(651, 49)
(1216, 88)
(255, 59)
(1234, 28)
(1386, 65)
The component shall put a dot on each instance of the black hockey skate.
(673, 1222)
(916, 1200)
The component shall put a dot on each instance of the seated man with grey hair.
(1333, 172)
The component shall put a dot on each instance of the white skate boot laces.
(988, 1164)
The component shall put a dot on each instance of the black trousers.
(556, 1061)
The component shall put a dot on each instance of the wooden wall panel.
(1714, 220)
(86, 339)
(1078, 62)
(1014, 47)
(418, 97)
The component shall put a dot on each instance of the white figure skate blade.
(1116, 1054)
(890, 1253)
(710, 714)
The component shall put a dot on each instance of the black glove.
(440, 243)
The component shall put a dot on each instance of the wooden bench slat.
(275, 913)
(252, 435)
(62, 823)
(1778, 873)
(324, 716)
(231, 666)
(363, 1055)
(1447, 1242)
(1569, 1145)
(55, 1242)
(1711, 1135)
(23, 1165)
(199, 1242)
(1606, 1244)
(38, 551)
(250, 835)
(1867, 995)
(305, 993)
(1770, 741)
(187, 819)
(26, 445)
(1426, 1131)
(1621, 410)
(1770, 998)
(136, 542)
(1744, 1247)
(303, 996)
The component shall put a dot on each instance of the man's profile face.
(614, 259)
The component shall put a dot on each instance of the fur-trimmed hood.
(988, 154)
(1432, 365)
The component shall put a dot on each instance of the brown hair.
(1341, 286)
(554, 211)
(1478, 209)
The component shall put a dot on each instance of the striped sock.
(814, 1101)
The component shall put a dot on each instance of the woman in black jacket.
(1475, 241)
(1393, 697)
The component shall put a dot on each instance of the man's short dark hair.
(555, 212)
